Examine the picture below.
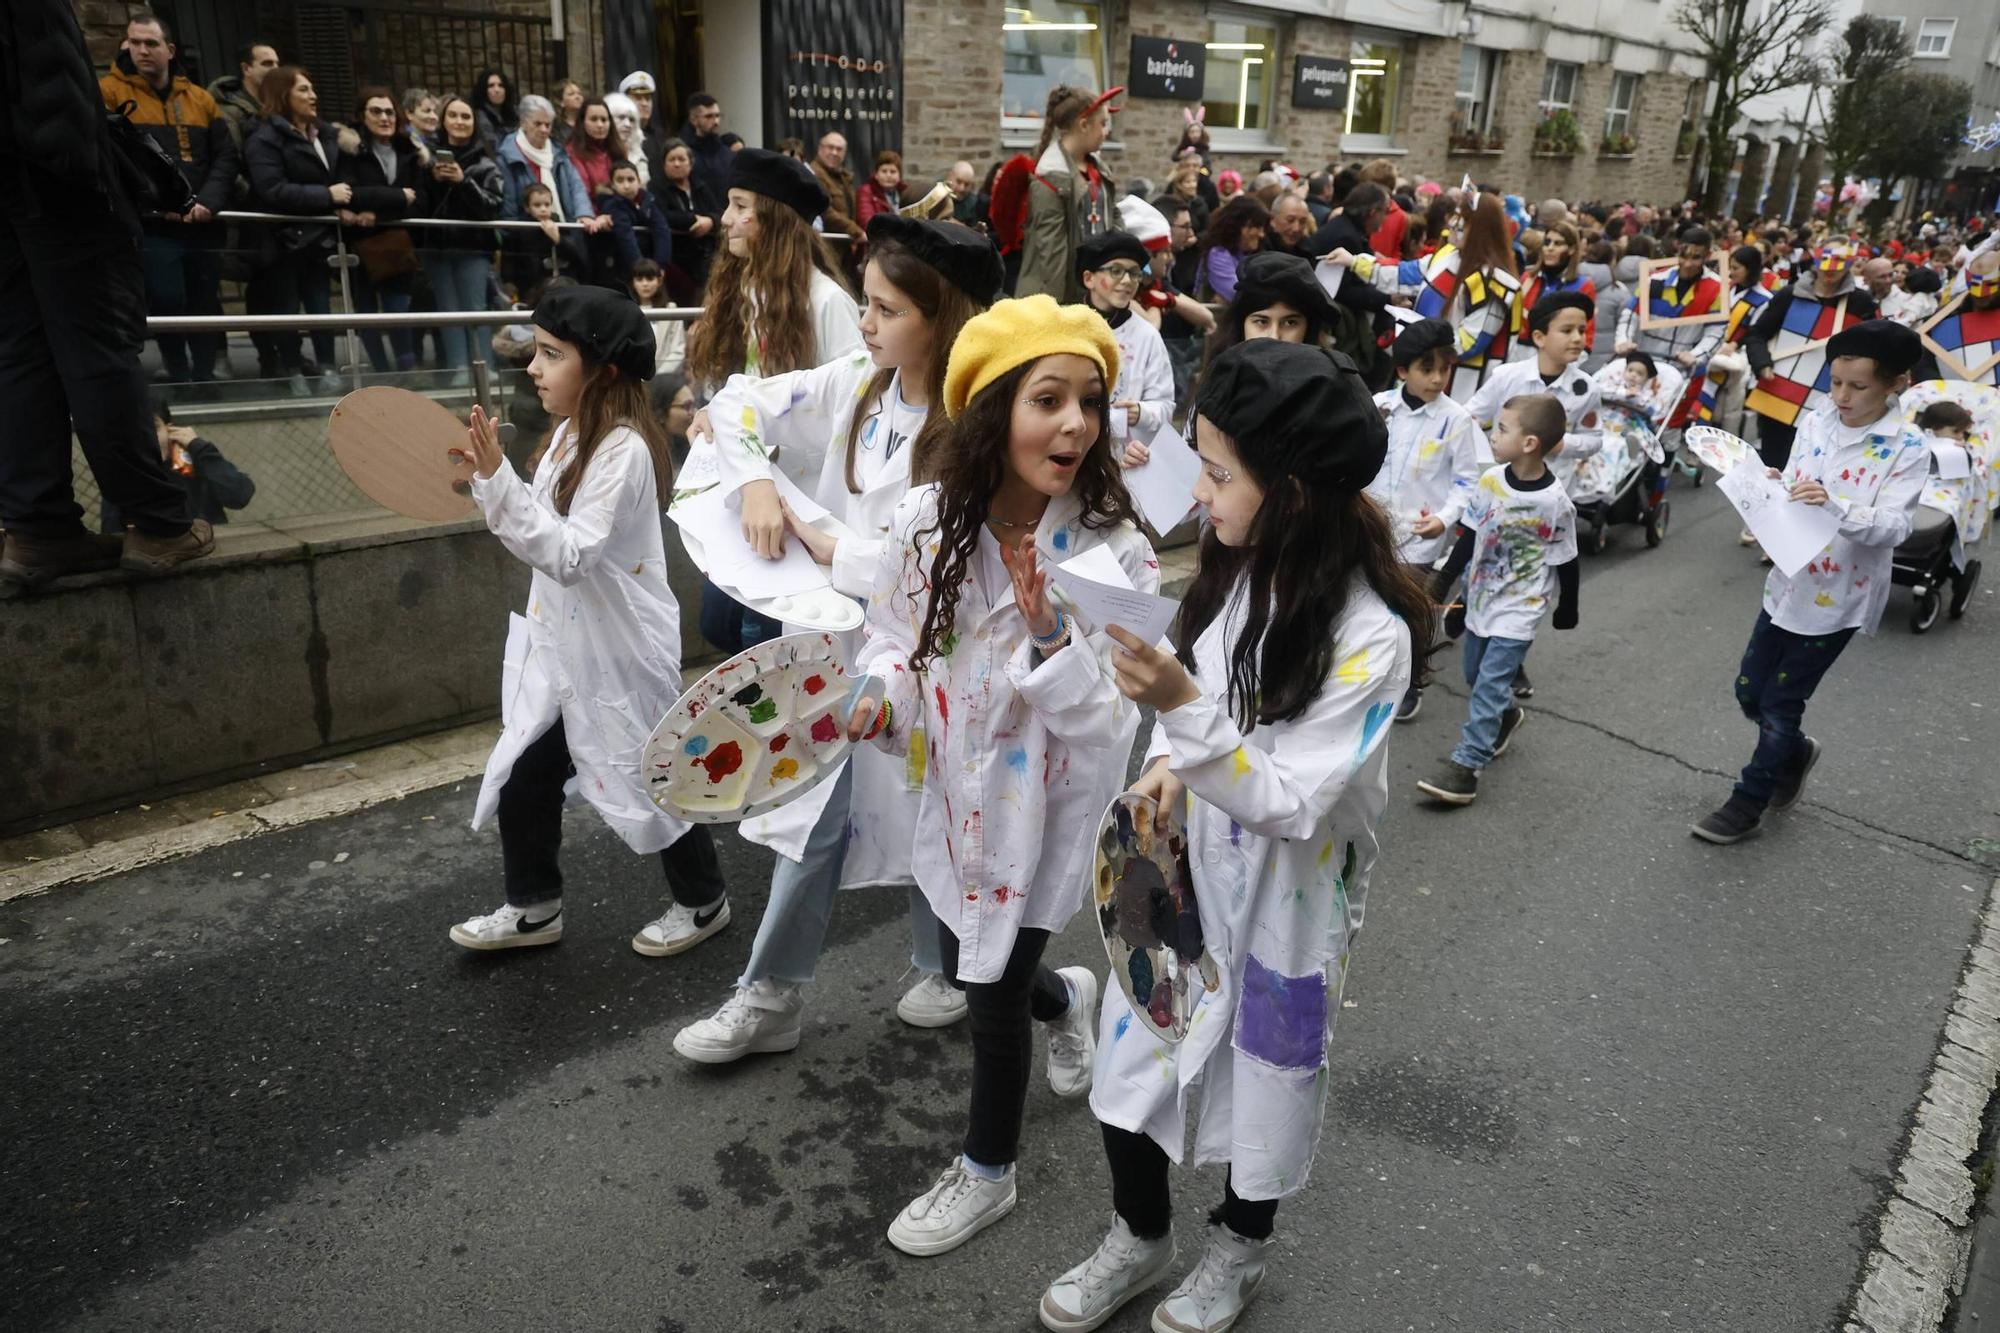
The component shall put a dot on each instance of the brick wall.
(951, 85)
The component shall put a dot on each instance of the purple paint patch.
(1282, 1020)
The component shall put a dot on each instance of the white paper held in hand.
(1096, 587)
(1953, 462)
(718, 528)
(1330, 276)
(1402, 314)
(1163, 485)
(1790, 531)
(700, 469)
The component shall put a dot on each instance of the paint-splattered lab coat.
(1017, 761)
(1281, 838)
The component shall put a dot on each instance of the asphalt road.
(1594, 1075)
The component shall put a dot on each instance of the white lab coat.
(1145, 375)
(1017, 760)
(1430, 470)
(1573, 389)
(807, 413)
(1281, 836)
(600, 646)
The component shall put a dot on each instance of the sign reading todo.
(834, 65)
(1319, 83)
(1167, 67)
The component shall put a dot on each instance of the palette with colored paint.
(1143, 890)
(755, 733)
(1717, 448)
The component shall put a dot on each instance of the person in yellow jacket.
(182, 268)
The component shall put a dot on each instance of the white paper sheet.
(1953, 462)
(1163, 485)
(717, 526)
(701, 468)
(1402, 314)
(1330, 277)
(1096, 587)
(1790, 532)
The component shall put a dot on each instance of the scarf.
(543, 160)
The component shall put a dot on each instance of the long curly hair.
(946, 309)
(970, 469)
(778, 269)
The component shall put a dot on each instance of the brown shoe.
(159, 555)
(33, 561)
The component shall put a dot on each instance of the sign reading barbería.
(1166, 67)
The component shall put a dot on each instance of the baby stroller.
(1934, 561)
(1625, 482)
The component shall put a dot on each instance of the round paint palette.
(764, 727)
(822, 608)
(1717, 448)
(395, 446)
(1143, 890)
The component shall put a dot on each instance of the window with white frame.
(1052, 42)
(1478, 74)
(1618, 110)
(1559, 86)
(1934, 38)
(1896, 19)
(1241, 73)
(1374, 81)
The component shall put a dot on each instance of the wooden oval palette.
(760, 730)
(396, 446)
(1143, 891)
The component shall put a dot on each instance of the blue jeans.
(458, 282)
(1490, 666)
(793, 931)
(390, 297)
(182, 278)
(1780, 671)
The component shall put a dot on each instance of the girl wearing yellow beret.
(1007, 710)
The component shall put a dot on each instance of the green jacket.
(1058, 209)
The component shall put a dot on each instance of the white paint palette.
(1717, 448)
(1143, 890)
(760, 730)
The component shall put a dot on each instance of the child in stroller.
(1626, 481)
(1951, 515)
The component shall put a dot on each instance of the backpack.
(1007, 209)
(1352, 333)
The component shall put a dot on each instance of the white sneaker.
(951, 1212)
(757, 1019)
(509, 928)
(1073, 1037)
(680, 930)
(1089, 1294)
(1211, 1298)
(932, 1003)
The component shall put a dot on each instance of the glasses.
(1121, 274)
(381, 111)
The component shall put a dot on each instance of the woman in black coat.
(293, 160)
(694, 216)
(466, 186)
(386, 165)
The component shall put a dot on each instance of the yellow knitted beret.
(1013, 333)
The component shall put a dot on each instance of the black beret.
(1888, 344)
(1268, 278)
(775, 176)
(1100, 250)
(1545, 310)
(1422, 337)
(1304, 407)
(607, 327)
(1923, 281)
(965, 258)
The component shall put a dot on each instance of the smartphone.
(444, 157)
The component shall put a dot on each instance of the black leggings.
(1003, 1039)
(1774, 442)
(531, 807)
(1139, 1191)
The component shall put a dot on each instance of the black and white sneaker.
(511, 927)
(1410, 705)
(1523, 687)
(1455, 784)
(680, 929)
(1787, 794)
(1510, 722)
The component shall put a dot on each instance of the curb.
(113, 858)
(1919, 1263)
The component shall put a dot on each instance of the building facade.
(1959, 38)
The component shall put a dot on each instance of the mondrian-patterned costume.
(1966, 342)
(1745, 304)
(1669, 296)
(1534, 287)
(1480, 306)
(1791, 380)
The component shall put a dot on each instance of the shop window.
(1374, 80)
(1241, 74)
(1047, 45)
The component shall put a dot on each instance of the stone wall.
(951, 85)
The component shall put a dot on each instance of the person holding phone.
(465, 185)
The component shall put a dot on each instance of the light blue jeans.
(1490, 665)
(458, 282)
(793, 931)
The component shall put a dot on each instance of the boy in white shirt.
(1855, 456)
(1111, 267)
(1558, 326)
(1433, 461)
(1519, 536)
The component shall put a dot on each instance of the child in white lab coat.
(1298, 637)
(1856, 457)
(1111, 268)
(1006, 706)
(1433, 460)
(867, 418)
(595, 663)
